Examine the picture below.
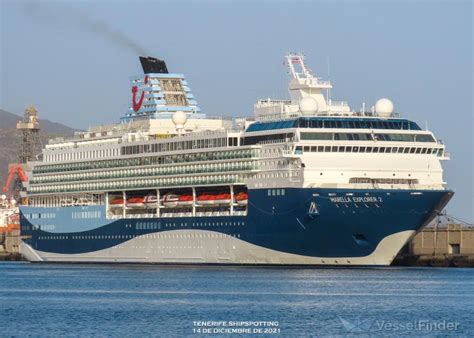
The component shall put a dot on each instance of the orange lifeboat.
(117, 202)
(136, 202)
(241, 198)
(185, 200)
(223, 199)
(150, 201)
(206, 199)
(170, 200)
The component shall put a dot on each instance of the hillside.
(10, 139)
(9, 120)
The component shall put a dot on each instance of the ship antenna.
(328, 92)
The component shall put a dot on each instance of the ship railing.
(338, 103)
(220, 118)
(139, 216)
(271, 103)
(181, 214)
(370, 114)
(314, 81)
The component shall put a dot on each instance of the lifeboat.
(185, 200)
(206, 199)
(117, 202)
(150, 201)
(223, 199)
(136, 202)
(241, 198)
(170, 200)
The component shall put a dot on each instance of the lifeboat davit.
(170, 200)
(136, 202)
(185, 200)
(206, 199)
(241, 198)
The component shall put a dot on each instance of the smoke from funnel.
(79, 20)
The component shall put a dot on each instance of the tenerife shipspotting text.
(236, 327)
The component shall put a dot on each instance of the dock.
(9, 245)
(440, 245)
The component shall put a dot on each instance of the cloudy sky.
(72, 59)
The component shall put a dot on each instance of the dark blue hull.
(307, 222)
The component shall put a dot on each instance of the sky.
(73, 60)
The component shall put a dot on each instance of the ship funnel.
(153, 65)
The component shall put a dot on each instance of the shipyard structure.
(307, 181)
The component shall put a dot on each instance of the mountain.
(9, 121)
(10, 139)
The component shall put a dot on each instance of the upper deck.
(336, 122)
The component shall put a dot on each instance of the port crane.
(30, 146)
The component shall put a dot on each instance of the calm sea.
(124, 300)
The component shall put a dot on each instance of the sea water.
(141, 300)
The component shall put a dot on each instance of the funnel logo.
(359, 326)
(136, 105)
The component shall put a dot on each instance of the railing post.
(194, 200)
(106, 204)
(124, 197)
(231, 200)
(157, 202)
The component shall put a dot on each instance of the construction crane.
(29, 128)
(30, 146)
(14, 169)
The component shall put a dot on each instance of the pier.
(440, 245)
(9, 244)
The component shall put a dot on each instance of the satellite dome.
(384, 107)
(179, 119)
(308, 105)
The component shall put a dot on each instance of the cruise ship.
(306, 181)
